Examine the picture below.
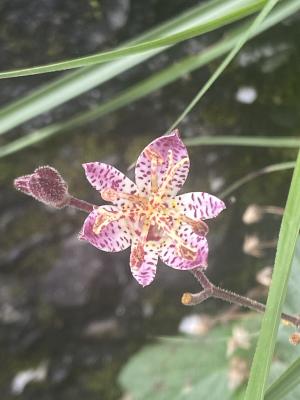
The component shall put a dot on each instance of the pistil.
(170, 173)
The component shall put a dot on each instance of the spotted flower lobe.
(148, 214)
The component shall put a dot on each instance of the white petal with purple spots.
(146, 272)
(161, 147)
(200, 205)
(113, 237)
(103, 176)
(170, 255)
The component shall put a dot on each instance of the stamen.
(156, 160)
(171, 171)
(151, 154)
(103, 218)
(184, 250)
(187, 253)
(199, 227)
(154, 181)
(137, 255)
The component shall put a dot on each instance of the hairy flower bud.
(45, 185)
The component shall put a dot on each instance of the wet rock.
(70, 281)
(116, 12)
(109, 327)
(59, 370)
(23, 247)
(11, 309)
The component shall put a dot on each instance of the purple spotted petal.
(169, 252)
(103, 176)
(200, 205)
(161, 147)
(146, 272)
(113, 237)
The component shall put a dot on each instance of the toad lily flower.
(148, 214)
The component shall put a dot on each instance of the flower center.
(155, 217)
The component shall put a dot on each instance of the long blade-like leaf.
(253, 141)
(147, 86)
(285, 383)
(255, 174)
(289, 232)
(75, 83)
(245, 7)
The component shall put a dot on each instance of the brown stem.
(210, 290)
(81, 204)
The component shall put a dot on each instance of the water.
(70, 315)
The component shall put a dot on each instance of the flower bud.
(45, 185)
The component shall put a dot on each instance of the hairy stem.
(81, 205)
(210, 290)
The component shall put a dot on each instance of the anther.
(199, 227)
(187, 253)
(137, 256)
(100, 222)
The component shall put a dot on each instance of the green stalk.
(285, 383)
(242, 8)
(73, 84)
(253, 141)
(252, 175)
(156, 81)
(288, 235)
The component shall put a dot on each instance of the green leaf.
(286, 245)
(290, 379)
(186, 369)
(177, 370)
(255, 174)
(73, 84)
(253, 141)
(156, 81)
(224, 16)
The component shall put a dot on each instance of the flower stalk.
(147, 215)
(81, 205)
(211, 290)
(47, 186)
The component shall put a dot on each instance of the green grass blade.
(75, 83)
(285, 383)
(156, 81)
(253, 141)
(289, 232)
(255, 174)
(243, 39)
(224, 17)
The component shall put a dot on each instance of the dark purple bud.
(45, 185)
